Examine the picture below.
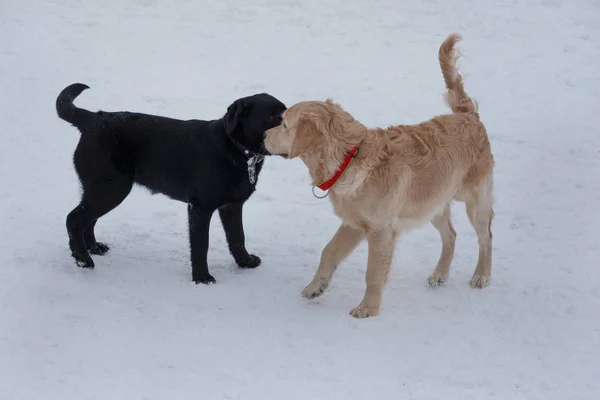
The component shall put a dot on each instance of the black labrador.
(210, 165)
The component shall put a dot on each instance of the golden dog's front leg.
(339, 247)
(381, 249)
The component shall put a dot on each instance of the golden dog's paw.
(437, 279)
(363, 311)
(480, 281)
(314, 289)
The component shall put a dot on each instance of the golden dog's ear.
(307, 137)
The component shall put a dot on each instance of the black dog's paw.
(250, 261)
(98, 249)
(205, 279)
(83, 261)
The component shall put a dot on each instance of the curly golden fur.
(403, 176)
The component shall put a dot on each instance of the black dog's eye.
(274, 117)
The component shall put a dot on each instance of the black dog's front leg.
(231, 218)
(199, 226)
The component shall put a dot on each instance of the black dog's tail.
(66, 109)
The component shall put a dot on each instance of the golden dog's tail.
(456, 97)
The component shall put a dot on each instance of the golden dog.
(399, 178)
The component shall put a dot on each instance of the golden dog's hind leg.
(339, 247)
(381, 249)
(480, 212)
(443, 224)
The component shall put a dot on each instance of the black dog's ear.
(235, 112)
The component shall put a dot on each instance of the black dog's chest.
(241, 193)
(244, 188)
(211, 187)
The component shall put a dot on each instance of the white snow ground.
(137, 328)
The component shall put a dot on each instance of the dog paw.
(250, 261)
(87, 264)
(98, 249)
(205, 279)
(480, 281)
(437, 279)
(314, 290)
(364, 311)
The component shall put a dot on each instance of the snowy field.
(137, 328)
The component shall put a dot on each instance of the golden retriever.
(402, 177)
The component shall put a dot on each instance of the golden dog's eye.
(284, 126)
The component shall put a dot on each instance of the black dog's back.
(159, 153)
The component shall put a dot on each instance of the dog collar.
(327, 184)
(243, 149)
(252, 158)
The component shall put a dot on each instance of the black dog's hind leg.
(199, 226)
(98, 199)
(231, 218)
(77, 221)
(93, 246)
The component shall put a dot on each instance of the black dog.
(210, 165)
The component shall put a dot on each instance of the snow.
(137, 328)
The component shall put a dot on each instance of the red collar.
(350, 154)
